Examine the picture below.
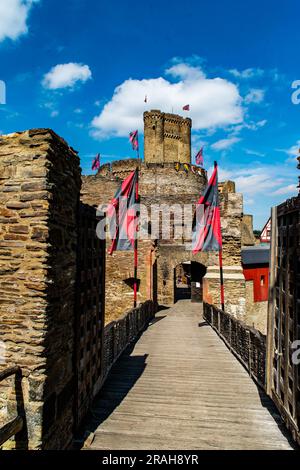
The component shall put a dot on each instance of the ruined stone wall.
(231, 205)
(248, 238)
(39, 197)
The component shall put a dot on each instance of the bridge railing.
(120, 333)
(246, 343)
(16, 425)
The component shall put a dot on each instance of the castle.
(54, 268)
(163, 262)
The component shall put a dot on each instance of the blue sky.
(83, 68)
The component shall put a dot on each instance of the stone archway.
(169, 257)
(188, 281)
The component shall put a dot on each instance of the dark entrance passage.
(198, 271)
(188, 281)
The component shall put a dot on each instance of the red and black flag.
(207, 234)
(122, 213)
(186, 107)
(134, 139)
(96, 162)
(199, 158)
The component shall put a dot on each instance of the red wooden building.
(255, 260)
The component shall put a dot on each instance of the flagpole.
(135, 285)
(138, 147)
(221, 268)
(222, 280)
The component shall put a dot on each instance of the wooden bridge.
(179, 387)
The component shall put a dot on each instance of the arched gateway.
(188, 281)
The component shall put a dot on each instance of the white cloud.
(13, 18)
(289, 189)
(260, 182)
(293, 152)
(252, 126)
(225, 144)
(255, 153)
(214, 102)
(185, 71)
(263, 179)
(66, 76)
(255, 95)
(247, 73)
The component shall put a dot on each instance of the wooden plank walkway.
(181, 388)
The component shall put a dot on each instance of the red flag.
(122, 213)
(134, 139)
(207, 235)
(186, 107)
(199, 158)
(146, 99)
(96, 162)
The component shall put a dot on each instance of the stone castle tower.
(167, 138)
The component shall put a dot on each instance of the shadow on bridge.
(271, 408)
(121, 379)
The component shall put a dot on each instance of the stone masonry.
(39, 196)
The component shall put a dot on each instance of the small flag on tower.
(96, 162)
(146, 99)
(199, 158)
(186, 107)
(134, 139)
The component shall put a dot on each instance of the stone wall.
(256, 312)
(89, 311)
(234, 289)
(39, 197)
